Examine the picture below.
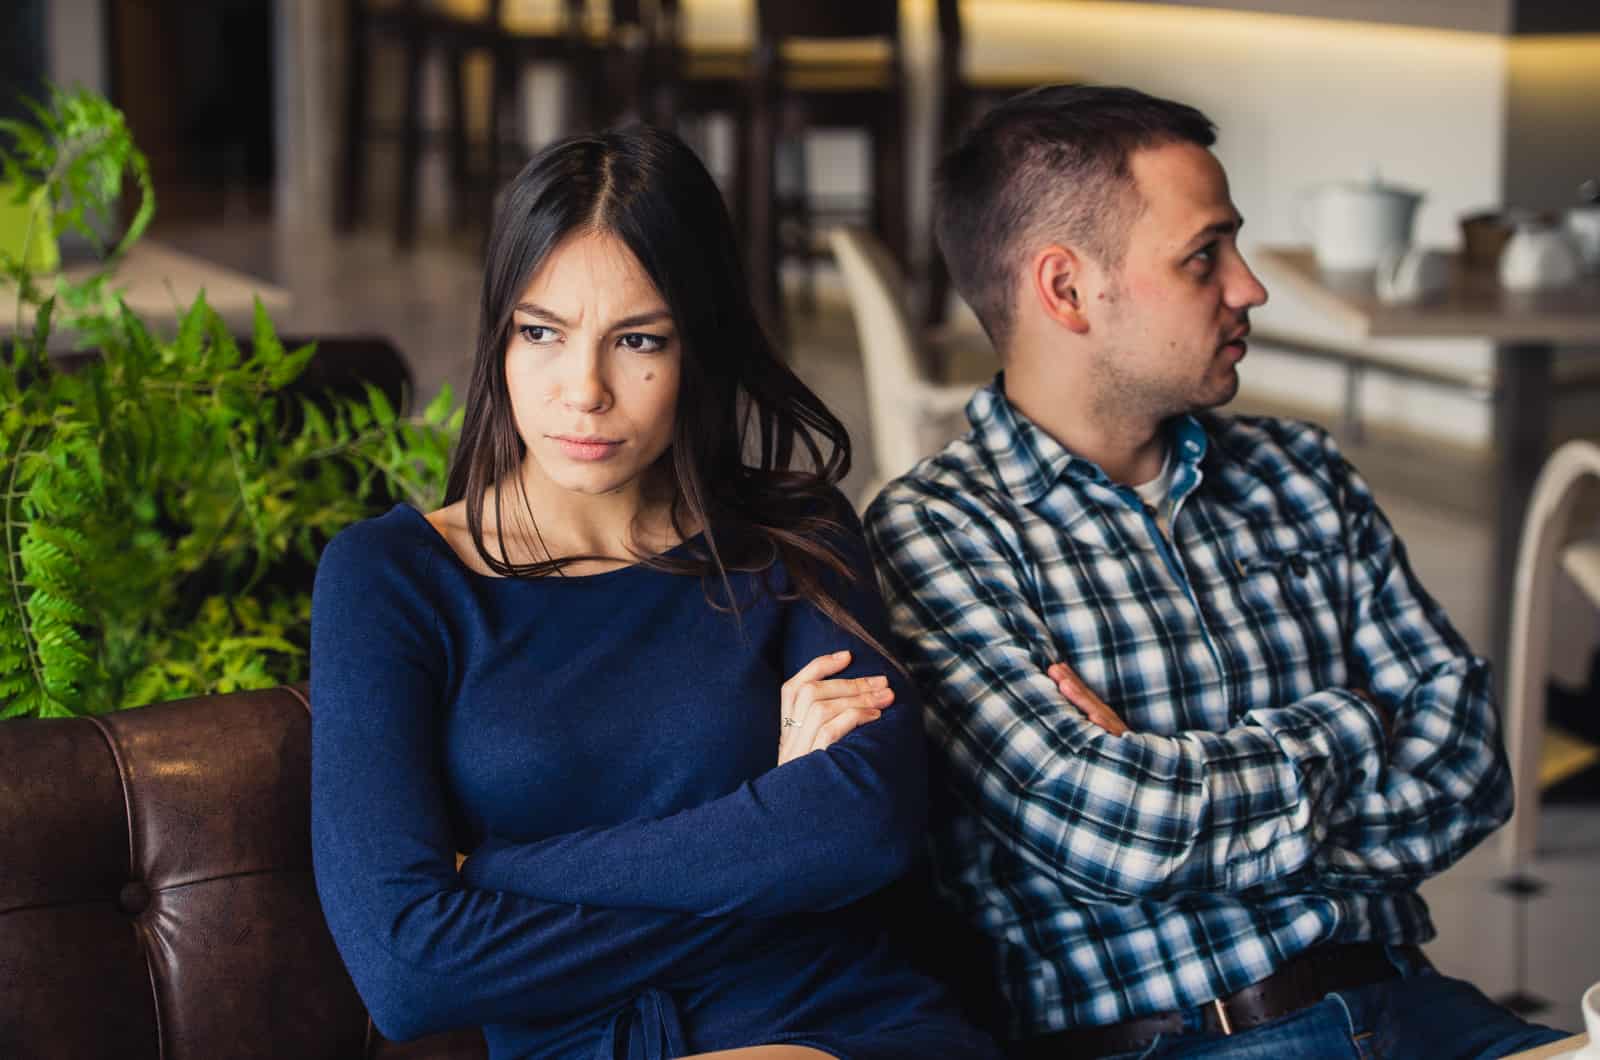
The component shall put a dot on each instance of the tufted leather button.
(133, 898)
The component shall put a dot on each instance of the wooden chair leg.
(456, 61)
(794, 212)
(954, 107)
(502, 84)
(405, 228)
(936, 295)
(739, 179)
(581, 73)
(889, 183)
(352, 171)
(763, 263)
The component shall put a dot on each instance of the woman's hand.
(817, 712)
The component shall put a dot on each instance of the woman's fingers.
(826, 716)
(842, 723)
(849, 686)
(818, 668)
(818, 709)
(828, 720)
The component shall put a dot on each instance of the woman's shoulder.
(399, 542)
(821, 510)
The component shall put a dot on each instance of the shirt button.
(1299, 566)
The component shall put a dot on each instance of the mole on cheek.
(648, 376)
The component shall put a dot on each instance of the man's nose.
(1244, 291)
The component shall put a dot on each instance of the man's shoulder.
(955, 485)
(1271, 445)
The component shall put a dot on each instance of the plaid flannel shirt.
(1257, 806)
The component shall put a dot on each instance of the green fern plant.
(162, 506)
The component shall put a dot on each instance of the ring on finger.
(789, 723)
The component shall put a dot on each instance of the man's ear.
(1058, 282)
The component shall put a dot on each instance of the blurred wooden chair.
(823, 66)
(911, 415)
(507, 34)
(607, 52)
(623, 77)
(963, 95)
(1546, 547)
(696, 83)
(424, 30)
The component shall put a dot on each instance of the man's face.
(1171, 321)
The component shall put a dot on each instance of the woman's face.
(592, 368)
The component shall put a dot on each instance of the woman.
(576, 671)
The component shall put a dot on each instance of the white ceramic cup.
(1583, 228)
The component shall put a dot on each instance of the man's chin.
(1218, 394)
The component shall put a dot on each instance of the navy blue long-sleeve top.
(642, 879)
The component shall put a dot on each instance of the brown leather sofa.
(156, 897)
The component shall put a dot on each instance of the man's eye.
(638, 340)
(537, 334)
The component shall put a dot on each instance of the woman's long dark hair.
(743, 419)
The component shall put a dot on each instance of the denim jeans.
(1422, 1014)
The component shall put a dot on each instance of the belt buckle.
(1223, 1021)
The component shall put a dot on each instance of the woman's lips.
(587, 448)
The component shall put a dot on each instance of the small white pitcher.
(1591, 1024)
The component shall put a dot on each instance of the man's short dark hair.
(1052, 163)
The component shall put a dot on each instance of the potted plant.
(162, 504)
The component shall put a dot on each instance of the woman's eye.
(536, 333)
(638, 340)
(1206, 255)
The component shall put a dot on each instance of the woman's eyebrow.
(648, 317)
(533, 309)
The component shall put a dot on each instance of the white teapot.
(1353, 225)
(1538, 255)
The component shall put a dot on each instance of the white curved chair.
(1543, 548)
(911, 415)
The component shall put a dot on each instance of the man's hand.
(1385, 715)
(1078, 694)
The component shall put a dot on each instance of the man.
(1201, 731)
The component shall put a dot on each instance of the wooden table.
(1562, 1048)
(1526, 328)
(158, 283)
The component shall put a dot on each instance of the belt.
(1300, 982)
(647, 1029)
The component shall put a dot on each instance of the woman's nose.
(585, 391)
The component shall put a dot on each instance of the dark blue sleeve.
(426, 951)
(816, 833)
